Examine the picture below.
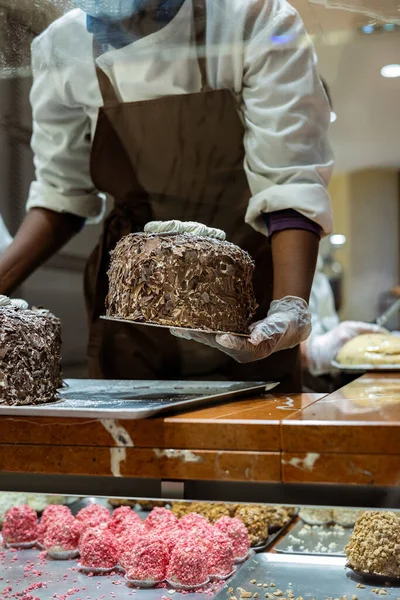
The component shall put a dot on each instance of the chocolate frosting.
(30, 356)
(182, 281)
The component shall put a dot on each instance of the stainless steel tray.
(113, 399)
(188, 329)
(307, 577)
(315, 540)
(20, 569)
(363, 368)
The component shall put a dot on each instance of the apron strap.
(200, 27)
(110, 97)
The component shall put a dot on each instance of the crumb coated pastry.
(53, 512)
(99, 549)
(236, 531)
(220, 555)
(93, 516)
(128, 540)
(123, 518)
(256, 521)
(188, 565)
(194, 523)
(148, 561)
(62, 535)
(20, 525)
(160, 518)
(180, 509)
(374, 545)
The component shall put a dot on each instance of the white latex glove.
(321, 350)
(287, 324)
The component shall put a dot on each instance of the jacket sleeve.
(61, 144)
(287, 114)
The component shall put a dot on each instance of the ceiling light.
(390, 71)
(333, 116)
(338, 240)
(368, 29)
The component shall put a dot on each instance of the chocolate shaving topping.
(182, 281)
(30, 357)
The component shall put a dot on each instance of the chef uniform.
(177, 153)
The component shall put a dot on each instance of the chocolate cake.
(30, 354)
(193, 279)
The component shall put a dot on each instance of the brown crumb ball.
(180, 509)
(256, 521)
(374, 545)
(278, 516)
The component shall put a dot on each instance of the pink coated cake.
(20, 525)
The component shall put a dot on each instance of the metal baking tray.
(313, 539)
(188, 329)
(115, 399)
(362, 368)
(274, 534)
(20, 569)
(307, 577)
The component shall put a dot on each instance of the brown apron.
(175, 157)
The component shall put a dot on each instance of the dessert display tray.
(62, 579)
(321, 540)
(362, 368)
(114, 399)
(190, 330)
(306, 577)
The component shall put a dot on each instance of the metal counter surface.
(306, 577)
(118, 399)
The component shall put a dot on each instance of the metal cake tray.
(362, 368)
(188, 329)
(305, 577)
(117, 399)
(320, 540)
(62, 579)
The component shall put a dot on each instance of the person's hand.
(287, 324)
(321, 350)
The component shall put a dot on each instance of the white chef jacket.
(257, 48)
(5, 237)
(322, 303)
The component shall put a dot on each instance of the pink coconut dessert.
(188, 568)
(99, 550)
(237, 533)
(148, 562)
(93, 515)
(220, 555)
(160, 518)
(61, 539)
(55, 511)
(20, 526)
(128, 540)
(173, 536)
(194, 522)
(122, 519)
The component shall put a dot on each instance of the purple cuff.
(289, 219)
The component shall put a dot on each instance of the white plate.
(148, 324)
(361, 368)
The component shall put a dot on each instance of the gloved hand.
(321, 350)
(287, 324)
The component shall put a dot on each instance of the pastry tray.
(362, 368)
(315, 540)
(306, 577)
(124, 399)
(24, 568)
(187, 329)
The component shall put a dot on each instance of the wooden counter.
(352, 436)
